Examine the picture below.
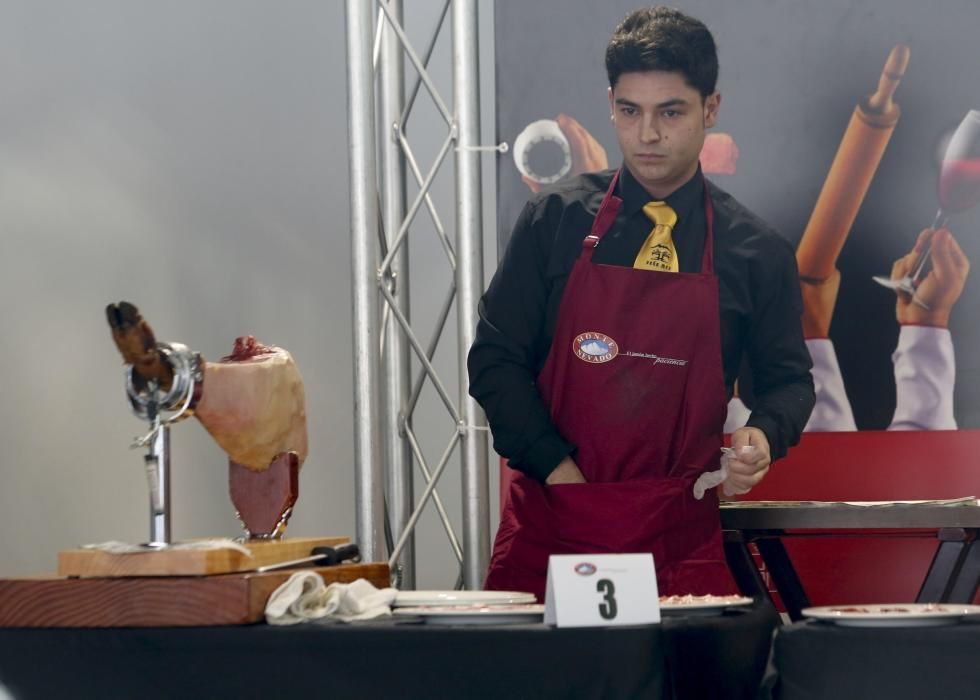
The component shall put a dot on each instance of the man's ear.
(612, 104)
(711, 104)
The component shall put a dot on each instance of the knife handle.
(336, 555)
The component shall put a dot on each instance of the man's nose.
(649, 131)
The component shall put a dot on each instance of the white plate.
(703, 605)
(475, 614)
(893, 614)
(416, 598)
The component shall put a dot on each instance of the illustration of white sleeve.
(925, 374)
(832, 411)
(738, 415)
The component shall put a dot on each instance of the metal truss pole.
(395, 356)
(469, 283)
(364, 230)
(385, 278)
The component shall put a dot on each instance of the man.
(606, 352)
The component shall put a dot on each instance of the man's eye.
(628, 111)
(670, 113)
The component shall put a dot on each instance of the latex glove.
(709, 480)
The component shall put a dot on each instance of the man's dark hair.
(664, 39)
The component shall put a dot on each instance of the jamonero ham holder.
(252, 403)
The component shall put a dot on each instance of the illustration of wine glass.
(959, 190)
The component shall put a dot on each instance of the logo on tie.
(658, 252)
(661, 254)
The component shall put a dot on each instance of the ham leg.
(253, 404)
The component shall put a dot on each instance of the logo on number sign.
(585, 568)
(595, 348)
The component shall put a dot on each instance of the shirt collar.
(682, 200)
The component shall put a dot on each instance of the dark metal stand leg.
(966, 584)
(744, 570)
(784, 576)
(945, 567)
(955, 570)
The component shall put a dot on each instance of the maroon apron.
(634, 378)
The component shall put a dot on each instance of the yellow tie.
(658, 252)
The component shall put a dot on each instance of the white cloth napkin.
(304, 596)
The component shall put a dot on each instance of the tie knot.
(660, 213)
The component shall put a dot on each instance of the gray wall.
(190, 157)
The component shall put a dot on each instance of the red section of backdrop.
(866, 466)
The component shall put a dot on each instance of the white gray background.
(191, 157)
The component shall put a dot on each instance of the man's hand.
(819, 299)
(567, 472)
(940, 289)
(751, 461)
(588, 155)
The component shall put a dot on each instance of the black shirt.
(759, 301)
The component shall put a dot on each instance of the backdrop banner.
(844, 124)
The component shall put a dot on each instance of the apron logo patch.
(595, 348)
(585, 568)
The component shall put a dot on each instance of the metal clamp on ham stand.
(162, 408)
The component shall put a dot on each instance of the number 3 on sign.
(626, 585)
(607, 608)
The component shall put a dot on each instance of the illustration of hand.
(939, 290)
(588, 155)
(719, 154)
(819, 300)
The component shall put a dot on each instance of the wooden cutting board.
(176, 601)
(189, 562)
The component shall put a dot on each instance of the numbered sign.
(599, 590)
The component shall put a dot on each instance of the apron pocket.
(617, 517)
(657, 515)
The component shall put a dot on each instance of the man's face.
(660, 123)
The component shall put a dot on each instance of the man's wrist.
(544, 455)
(770, 431)
(567, 472)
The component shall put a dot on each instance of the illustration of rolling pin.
(851, 172)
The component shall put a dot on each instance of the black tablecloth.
(821, 660)
(691, 657)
